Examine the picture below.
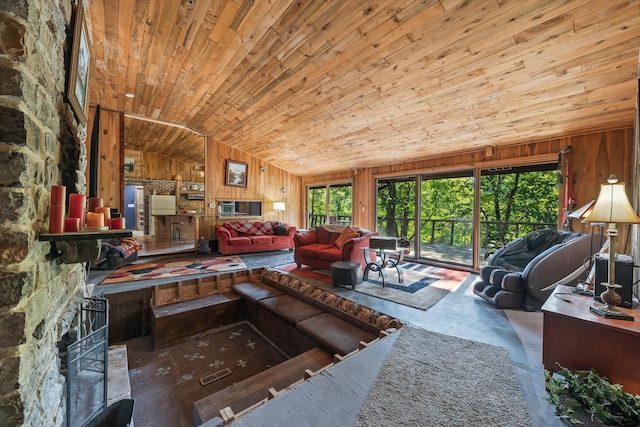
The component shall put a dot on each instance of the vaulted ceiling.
(321, 86)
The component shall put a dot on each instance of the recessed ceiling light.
(129, 95)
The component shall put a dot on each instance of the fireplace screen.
(87, 364)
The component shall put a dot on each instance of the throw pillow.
(280, 230)
(346, 234)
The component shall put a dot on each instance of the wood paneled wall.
(270, 185)
(157, 166)
(594, 157)
(110, 156)
(264, 182)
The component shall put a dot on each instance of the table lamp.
(612, 207)
(278, 207)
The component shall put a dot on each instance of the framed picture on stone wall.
(78, 83)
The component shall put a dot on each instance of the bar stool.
(177, 232)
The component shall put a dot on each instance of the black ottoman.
(346, 273)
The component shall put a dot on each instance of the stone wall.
(39, 299)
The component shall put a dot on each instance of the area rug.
(438, 380)
(423, 285)
(173, 268)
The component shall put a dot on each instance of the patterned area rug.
(422, 287)
(175, 268)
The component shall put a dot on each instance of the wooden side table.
(577, 339)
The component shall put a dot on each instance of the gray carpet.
(439, 380)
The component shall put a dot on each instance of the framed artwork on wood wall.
(236, 175)
(78, 83)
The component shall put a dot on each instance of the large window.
(329, 204)
(397, 208)
(512, 202)
(446, 218)
(516, 201)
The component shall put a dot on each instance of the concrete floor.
(464, 315)
(461, 314)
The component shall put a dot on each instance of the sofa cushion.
(261, 240)
(312, 250)
(334, 334)
(324, 236)
(232, 231)
(330, 253)
(255, 291)
(346, 234)
(306, 237)
(280, 230)
(290, 309)
(239, 241)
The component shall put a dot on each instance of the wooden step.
(256, 388)
(176, 322)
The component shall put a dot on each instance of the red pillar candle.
(57, 208)
(71, 225)
(77, 206)
(116, 224)
(94, 202)
(106, 212)
(95, 219)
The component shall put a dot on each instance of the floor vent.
(215, 376)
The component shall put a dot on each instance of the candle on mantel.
(116, 224)
(71, 225)
(95, 202)
(95, 219)
(77, 206)
(106, 212)
(57, 208)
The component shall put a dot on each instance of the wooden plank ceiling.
(322, 86)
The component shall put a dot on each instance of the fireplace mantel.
(81, 246)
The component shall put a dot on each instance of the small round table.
(347, 273)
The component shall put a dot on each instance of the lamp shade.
(613, 206)
(278, 206)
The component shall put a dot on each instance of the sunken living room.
(317, 213)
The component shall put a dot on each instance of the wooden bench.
(255, 389)
(176, 322)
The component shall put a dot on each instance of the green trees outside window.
(513, 202)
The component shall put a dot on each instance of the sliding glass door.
(454, 208)
(329, 204)
(514, 202)
(396, 209)
(446, 218)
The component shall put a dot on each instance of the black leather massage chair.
(517, 273)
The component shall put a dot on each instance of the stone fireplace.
(40, 145)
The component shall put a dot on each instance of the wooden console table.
(580, 340)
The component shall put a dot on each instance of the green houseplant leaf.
(586, 392)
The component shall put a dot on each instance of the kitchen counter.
(167, 224)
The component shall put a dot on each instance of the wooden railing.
(321, 219)
(451, 232)
(454, 232)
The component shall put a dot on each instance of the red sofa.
(260, 236)
(317, 247)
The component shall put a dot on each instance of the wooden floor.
(165, 383)
(151, 248)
